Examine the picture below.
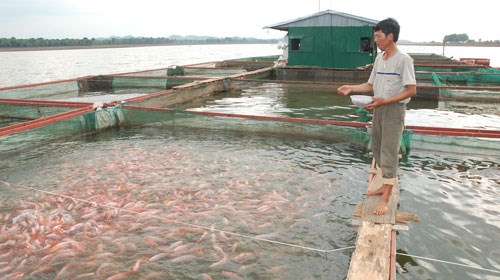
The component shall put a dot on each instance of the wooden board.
(371, 259)
(396, 227)
(372, 200)
(401, 217)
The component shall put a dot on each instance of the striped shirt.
(389, 77)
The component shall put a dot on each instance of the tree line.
(68, 42)
(456, 38)
(464, 38)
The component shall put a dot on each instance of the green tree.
(456, 38)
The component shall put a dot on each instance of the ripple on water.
(457, 200)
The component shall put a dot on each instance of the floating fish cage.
(133, 175)
(94, 103)
(481, 86)
(122, 190)
(481, 77)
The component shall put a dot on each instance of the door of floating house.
(330, 39)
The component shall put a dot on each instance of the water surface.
(192, 203)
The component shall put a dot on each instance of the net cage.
(118, 117)
(468, 87)
(481, 77)
(41, 112)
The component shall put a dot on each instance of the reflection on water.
(149, 203)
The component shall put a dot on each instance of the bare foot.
(382, 205)
(381, 208)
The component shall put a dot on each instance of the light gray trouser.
(387, 129)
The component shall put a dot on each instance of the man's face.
(382, 40)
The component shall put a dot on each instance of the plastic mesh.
(16, 142)
(137, 82)
(29, 112)
(50, 91)
(479, 78)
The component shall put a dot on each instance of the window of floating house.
(295, 44)
(303, 44)
(365, 45)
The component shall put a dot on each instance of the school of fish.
(166, 211)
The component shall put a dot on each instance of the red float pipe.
(392, 268)
(24, 102)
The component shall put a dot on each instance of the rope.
(447, 262)
(192, 225)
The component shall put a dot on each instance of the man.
(393, 83)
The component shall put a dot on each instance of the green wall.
(329, 47)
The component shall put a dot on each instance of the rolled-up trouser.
(387, 129)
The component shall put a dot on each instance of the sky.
(421, 21)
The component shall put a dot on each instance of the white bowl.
(361, 100)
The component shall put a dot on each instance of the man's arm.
(362, 88)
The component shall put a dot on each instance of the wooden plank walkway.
(374, 257)
(371, 259)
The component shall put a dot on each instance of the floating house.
(329, 39)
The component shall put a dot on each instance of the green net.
(29, 112)
(139, 82)
(49, 91)
(438, 80)
(152, 73)
(158, 83)
(114, 85)
(459, 145)
(15, 143)
(191, 71)
(466, 94)
(211, 72)
(482, 77)
(123, 118)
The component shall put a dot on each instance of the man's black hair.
(389, 26)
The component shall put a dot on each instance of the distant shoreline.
(450, 44)
(18, 49)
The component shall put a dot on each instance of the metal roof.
(324, 18)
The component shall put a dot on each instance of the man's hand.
(344, 90)
(377, 102)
